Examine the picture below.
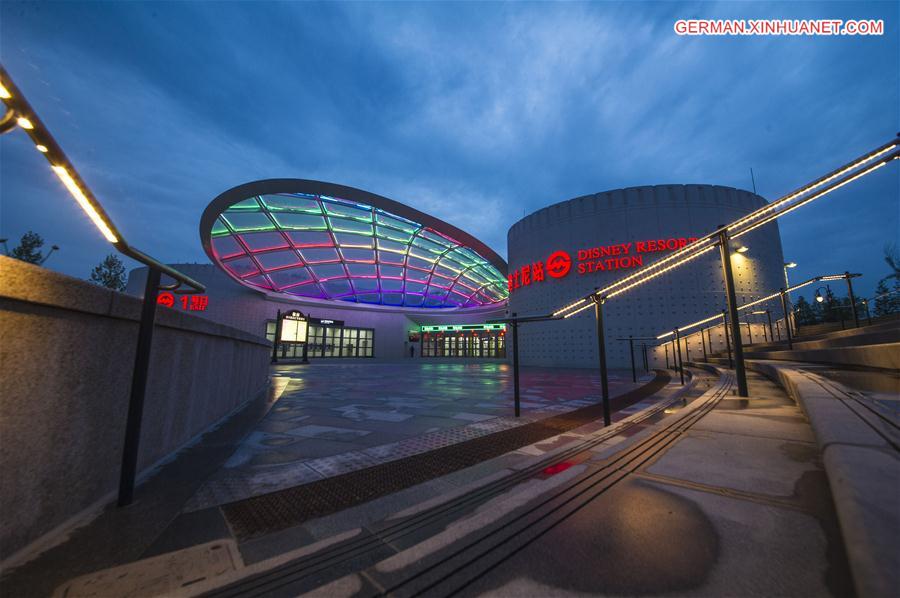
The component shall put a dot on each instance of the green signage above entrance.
(452, 327)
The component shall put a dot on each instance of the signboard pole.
(138, 389)
(631, 351)
(787, 323)
(275, 341)
(515, 339)
(852, 300)
(731, 296)
(680, 362)
(601, 345)
(727, 338)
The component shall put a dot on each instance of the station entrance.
(464, 340)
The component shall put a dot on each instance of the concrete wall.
(246, 309)
(623, 216)
(66, 358)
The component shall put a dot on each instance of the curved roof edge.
(274, 186)
(634, 187)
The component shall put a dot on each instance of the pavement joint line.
(277, 510)
(848, 401)
(779, 438)
(303, 567)
(616, 472)
(767, 499)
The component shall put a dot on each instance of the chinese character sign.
(185, 302)
(594, 259)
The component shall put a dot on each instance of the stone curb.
(864, 476)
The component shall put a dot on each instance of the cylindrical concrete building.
(564, 251)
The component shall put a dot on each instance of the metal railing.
(20, 114)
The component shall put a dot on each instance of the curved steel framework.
(325, 241)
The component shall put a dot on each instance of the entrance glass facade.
(329, 341)
(473, 341)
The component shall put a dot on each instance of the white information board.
(293, 328)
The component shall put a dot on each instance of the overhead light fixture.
(41, 148)
(791, 265)
(83, 201)
(819, 297)
(743, 249)
(24, 123)
(4, 93)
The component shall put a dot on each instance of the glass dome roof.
(319, 246)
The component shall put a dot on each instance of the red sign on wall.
(188, 302)
(618, 256)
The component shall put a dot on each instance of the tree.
(886, 302)
(892, 258)
(29, 249)
(831, 307)
(804, 312)
(110, 273)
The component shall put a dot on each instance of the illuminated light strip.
(580, 309)
(689, 326)
(758, 301)
(692, 247)
(806, 200)
(568, 307)
(814, 185)
(4, 93)
(660, 272)
(762, 211)
(83, 201)
(696, 246)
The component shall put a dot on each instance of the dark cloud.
(478, 113)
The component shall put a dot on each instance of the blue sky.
(476, 113)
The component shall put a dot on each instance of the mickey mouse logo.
(166, 299)
(558, 264)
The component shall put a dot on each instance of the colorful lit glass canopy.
(320, 240)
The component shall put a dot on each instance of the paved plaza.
(332, 418)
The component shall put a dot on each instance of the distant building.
(381, 279)
(588, 242)
(378, 278)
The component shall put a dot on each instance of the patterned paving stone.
(336, 418)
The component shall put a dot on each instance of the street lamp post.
(787, 285)
(865, 303)
(848, 276)
(787, 324)
(680, 362)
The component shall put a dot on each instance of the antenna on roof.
(752, 178)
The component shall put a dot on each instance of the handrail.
(23, 114)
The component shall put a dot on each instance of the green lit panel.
(330, 248)
(462, 327)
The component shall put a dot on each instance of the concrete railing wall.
(67, 351)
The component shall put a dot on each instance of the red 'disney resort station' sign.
(618, 256)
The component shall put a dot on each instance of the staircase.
(876, 346)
